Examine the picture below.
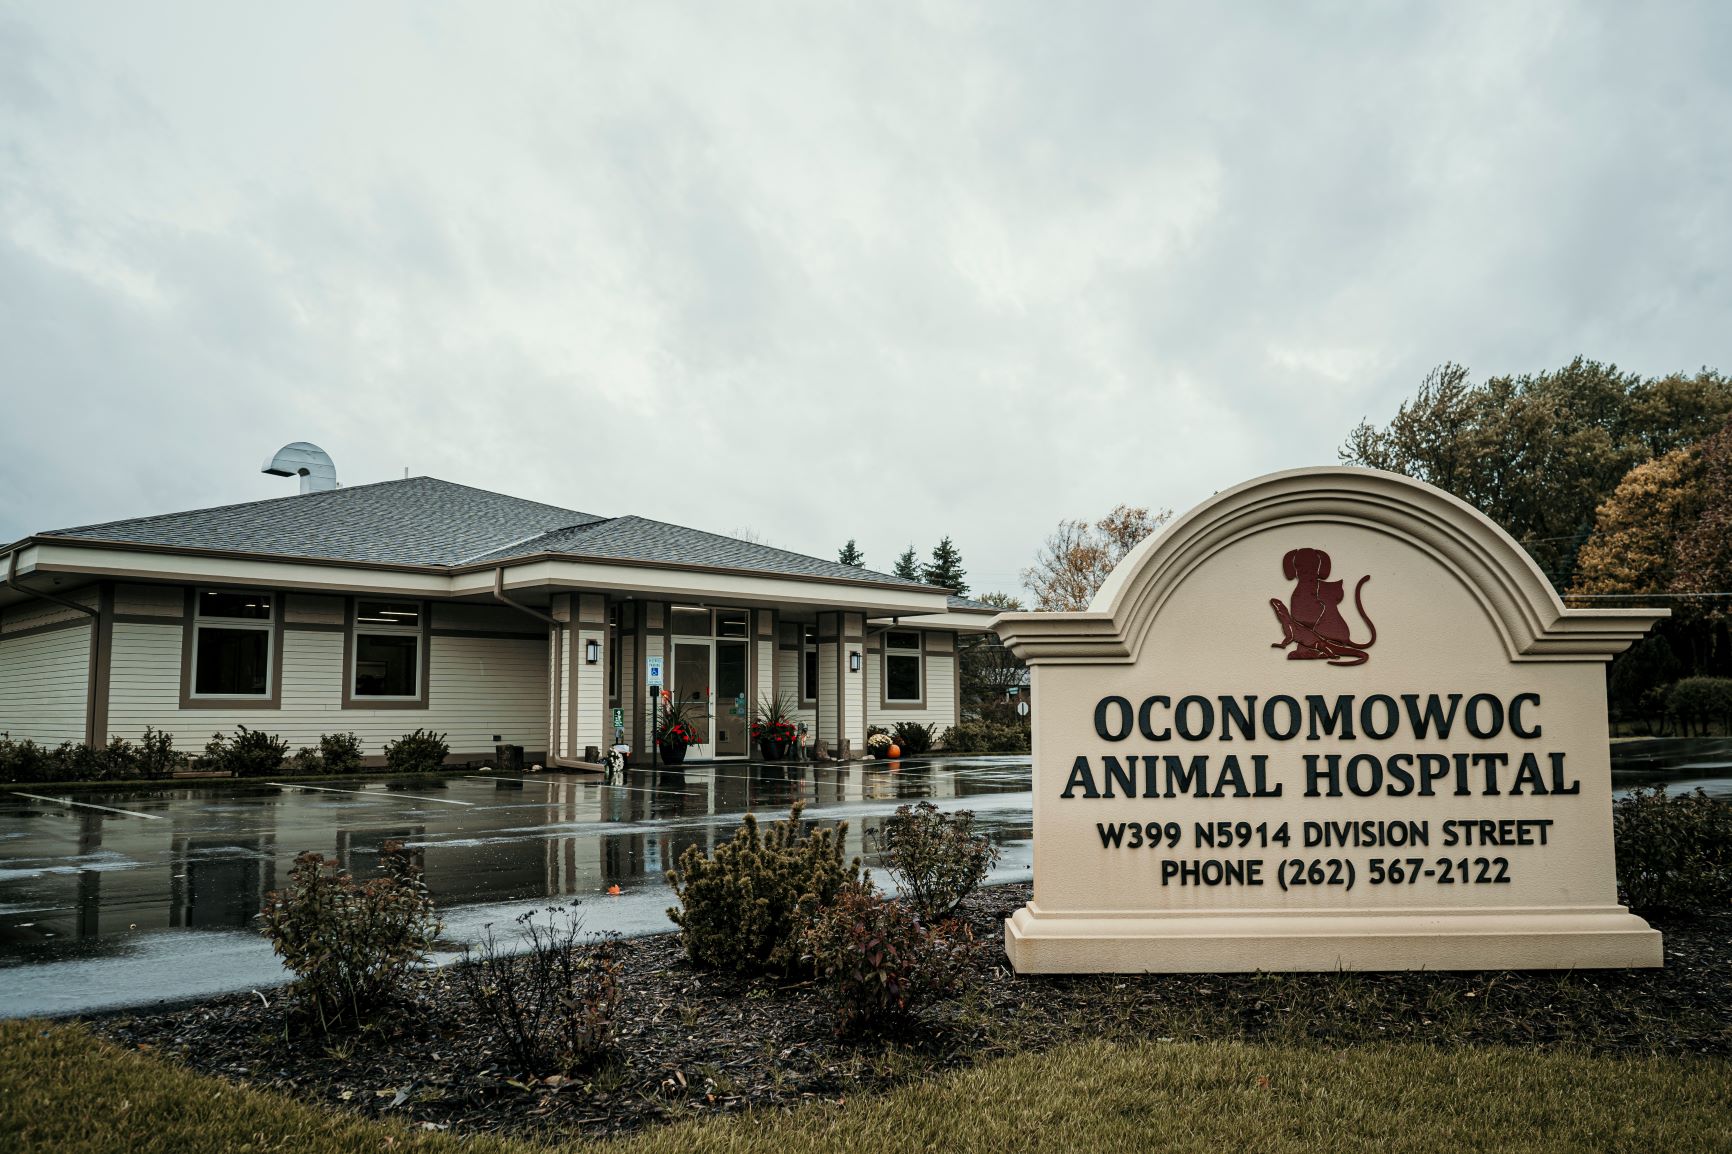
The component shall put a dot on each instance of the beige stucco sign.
(1331, 718)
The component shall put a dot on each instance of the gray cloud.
(827, 272)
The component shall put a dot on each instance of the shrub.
(420, 752)
(552, 1006)
(249, 753)
(157, 757)
(936, 858)
(913, 738)
(982, 736)
(877, 960)
(743, 907)
(1701, 701)
(1674, 851)
(350, 943)
(337, 753)
(22, 761)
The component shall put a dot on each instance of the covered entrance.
(710, 678)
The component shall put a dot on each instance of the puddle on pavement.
(100, 908)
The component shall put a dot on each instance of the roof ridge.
(865, 572)
(340, 490)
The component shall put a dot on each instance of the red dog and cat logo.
(1312, 621)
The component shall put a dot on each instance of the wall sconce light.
(592, 651)
(854, 662)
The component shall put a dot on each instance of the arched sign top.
(1311, 617)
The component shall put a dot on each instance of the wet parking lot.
(132, 896)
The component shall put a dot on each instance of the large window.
(809, 663)
(902, 666)
(387, 657)
(232, 638)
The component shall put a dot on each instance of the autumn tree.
(1538, 453)
(1702, 556)
(850, 555)
(1075, 560)
(908, 566)
(945, 569)
(1636, 529)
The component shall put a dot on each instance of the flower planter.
(772, 750)
(672, 752)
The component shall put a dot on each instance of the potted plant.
(675, 732)
(773, 727)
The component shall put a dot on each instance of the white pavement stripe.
(89, 805)
(369, 793)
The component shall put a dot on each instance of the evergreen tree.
(908, 566)
(945, 568)
(851, 555)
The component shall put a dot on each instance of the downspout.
(12, 583)
(499, 595)
(554, 705)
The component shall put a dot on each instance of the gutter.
(12, 582)
(499, 595)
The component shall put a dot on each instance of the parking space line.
(89, 805)
(367, 793)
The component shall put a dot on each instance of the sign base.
(1584, 938)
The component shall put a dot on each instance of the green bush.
(877, 961)
(1701, 702)
(936, 858)
(982, 736)
(22, 761)
(552, 1005)
(1674, 850)
(337, 753)
(743, 907)
(157, 757)
(913, 738)
(420, 752)
(249, 753)
(350, 943)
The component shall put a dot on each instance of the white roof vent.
(309, 462)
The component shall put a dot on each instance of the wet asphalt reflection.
(127, 897)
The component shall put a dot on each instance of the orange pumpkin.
(895, 751)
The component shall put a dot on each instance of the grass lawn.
(65, 1091)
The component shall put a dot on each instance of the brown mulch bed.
(691, 1042)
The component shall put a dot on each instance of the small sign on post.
(653, 673)
(618, 717)
(1021, 709)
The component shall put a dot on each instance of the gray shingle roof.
(425, 521)
(416, 521)
(641, 539)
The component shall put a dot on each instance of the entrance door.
(692, 689)
(733, 706)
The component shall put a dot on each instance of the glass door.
(692, 690)
(733, 705)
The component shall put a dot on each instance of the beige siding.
(828, 714)
(150, 600)
(32, 614)
(591, 692)
(478, 687)
(788, 669)
(303, 609)
(44, 679)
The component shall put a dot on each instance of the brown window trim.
(884, 701)
(423, 700)
(189, 651)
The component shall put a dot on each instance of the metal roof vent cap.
(306, 460)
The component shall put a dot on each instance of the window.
(387, 658)
(730, 623)
(689, 622)
(232, 638)
(809, 663)
(901, 666)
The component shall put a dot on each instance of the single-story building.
(419, 603)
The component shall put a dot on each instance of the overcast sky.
(817, 271)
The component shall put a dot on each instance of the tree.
(1702, 556)
(1636, 528)
(1538, 453)
(945, 569)
(987, 670)
(908, 566)
(850, 555)
(1075, 560)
